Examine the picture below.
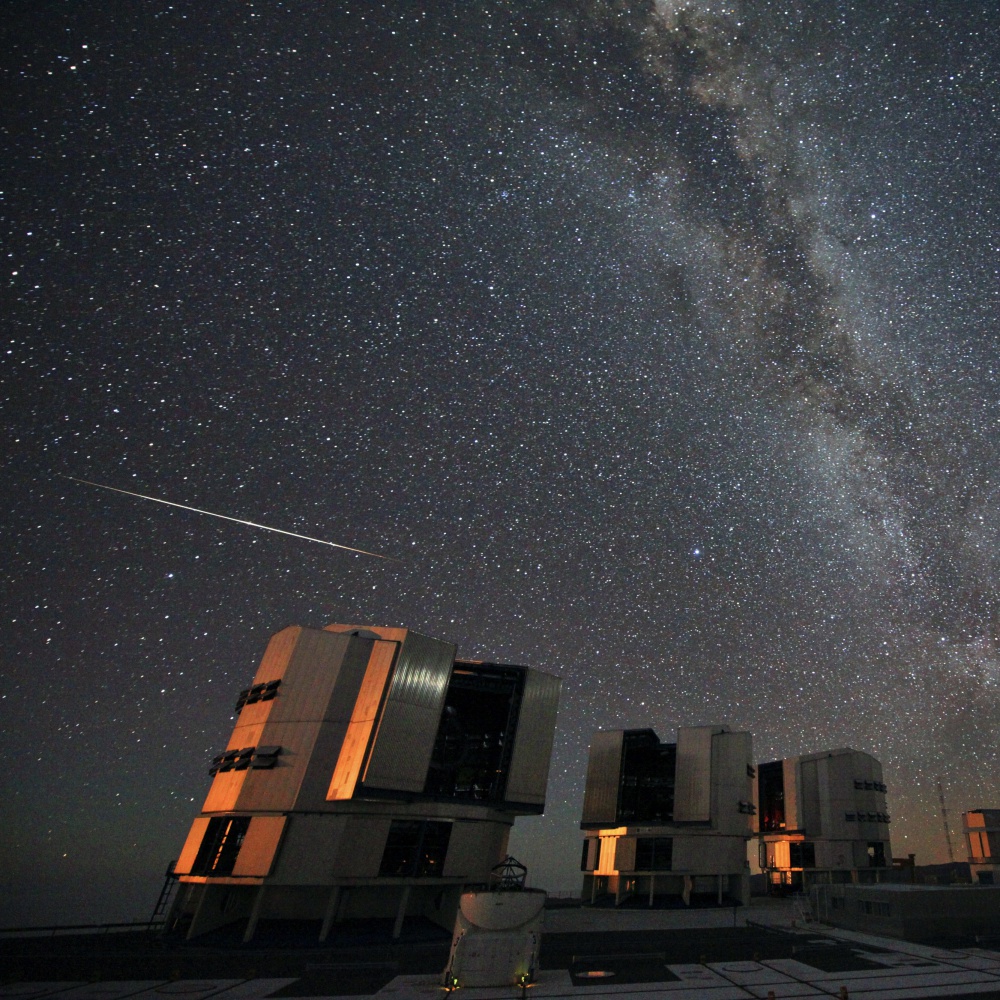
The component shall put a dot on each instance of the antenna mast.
(944, 819)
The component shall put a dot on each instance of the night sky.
(657, 340)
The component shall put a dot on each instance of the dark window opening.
(876, 855)
(475, 738)
(646, 786)
(220, 845)
(653, 854)
(801, 855)
(415, 848)
(771, 796)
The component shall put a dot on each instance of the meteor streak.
(235, 520)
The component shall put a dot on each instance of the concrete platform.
(663, 954)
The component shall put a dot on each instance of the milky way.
(659, 339)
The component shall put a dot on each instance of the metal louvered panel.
(408, 725)
(600, 799)
(536, 723)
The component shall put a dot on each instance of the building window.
(771, 796)
(876, 855)
(801, 854)
(475, 738)
(653, 854)
(415, 848)
(646, 786)
(220, 845)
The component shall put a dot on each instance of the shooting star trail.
(235, 520)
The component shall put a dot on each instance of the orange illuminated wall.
(363, 721)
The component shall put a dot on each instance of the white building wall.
(693, 775)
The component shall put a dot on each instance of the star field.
(657, 341)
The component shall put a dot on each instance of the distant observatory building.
(822, 818)
(981, 828)
(369, 774)
(668, 819)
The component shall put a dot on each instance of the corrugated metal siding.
(600, 797)
(408, 725)
(529, 767)
(693, 790)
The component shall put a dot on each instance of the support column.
(652, 888)
(718, 890)
(195, 927)
(397, 927)
(177, 905)
(686, 891)
(258, 905)
(331, 912)
(618, 890)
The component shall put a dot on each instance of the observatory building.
(822, 818)
(982, 838)
(369, 774)
(667, 819)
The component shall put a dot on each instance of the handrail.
(53, 929)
